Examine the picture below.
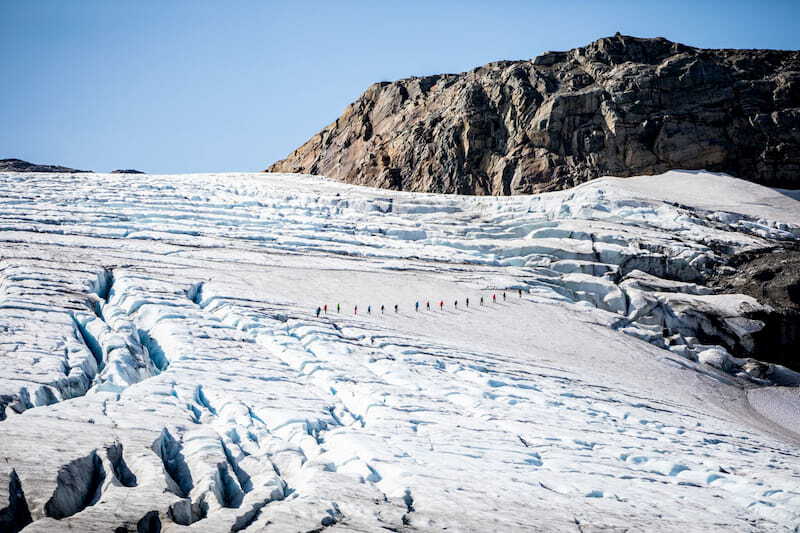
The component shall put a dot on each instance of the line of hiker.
(324, 309)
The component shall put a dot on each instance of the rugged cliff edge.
(620, 106)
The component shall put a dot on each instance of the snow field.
(164, 331)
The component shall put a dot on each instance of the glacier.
(163, 367)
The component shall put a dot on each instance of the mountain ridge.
(620, 106)
(18, 165)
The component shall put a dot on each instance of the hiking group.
(324, 308)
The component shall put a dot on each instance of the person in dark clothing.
(455, 304)
(504, 296)
(318, 311)
(441, 305)
(338, 308)
(395, 308)
(467, 303)
(520, 292)
(369, 309)
(481, 300)
(325, 308)
(494, 298)
(416, 307)
(381, 308)
(355, 310)
(428, 305)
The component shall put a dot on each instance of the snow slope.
(162, 365)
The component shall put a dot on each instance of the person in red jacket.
(494, 298)
(441, 305)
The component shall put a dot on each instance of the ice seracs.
(163, 368)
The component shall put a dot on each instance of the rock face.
(18, 165)
(620, 106)
(127, 171)
(773, 277)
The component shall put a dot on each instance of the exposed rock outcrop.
(773, 277)
(127, 171)
(18, 165)
(620, 106)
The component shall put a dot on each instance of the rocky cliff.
(620, 106)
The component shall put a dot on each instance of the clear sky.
(206, 86)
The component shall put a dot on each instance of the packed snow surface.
(162, 366)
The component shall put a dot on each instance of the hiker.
(428, 305)
(325, 308)
(441, 305)
(369, 309)
(338, 308)
(455, 304)
(494, 298)
(481, 300)
(318, 311)
(467, 303)
(355, 310)
(504, 296)
(520, 292)
(381, 308)
(395, 308)
(416, 307)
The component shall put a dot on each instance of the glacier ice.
(163, 368)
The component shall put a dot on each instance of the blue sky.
(207, 86)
